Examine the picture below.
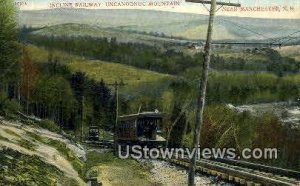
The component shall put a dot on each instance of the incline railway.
(236, 171)
(143, 129)
(240, 172)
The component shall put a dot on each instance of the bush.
(8, 106)
(11, 106)
(49, 125)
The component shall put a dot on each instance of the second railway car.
(94, 132)
(141, 128)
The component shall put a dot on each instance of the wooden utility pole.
(117, 113)
(19, 93)
(117, 102)
(217, 3)
(82, 117)
(203, 85)
(116, 85)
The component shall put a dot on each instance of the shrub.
(49, 125)
(8, 106)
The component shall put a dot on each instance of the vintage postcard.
(149, 92)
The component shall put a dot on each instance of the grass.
(36, 137)
(199, 32)
(111, 72)
(61, 147)
(8, 131)
(115, 171)
(21, 169)
(27, 144)
(49, 125)
(243, 55)
(3, 138)
(21, 141)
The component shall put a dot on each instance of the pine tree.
(9, 51)
(78, 81)
(9, 46)
(101, 103)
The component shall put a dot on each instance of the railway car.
(141, 128)
(93, 134)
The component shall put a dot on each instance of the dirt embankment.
(16, 136)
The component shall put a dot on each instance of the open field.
(109, 72)
(221, 32)
(241, 54)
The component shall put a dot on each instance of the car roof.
(157, 115)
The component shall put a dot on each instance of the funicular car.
(141, 128)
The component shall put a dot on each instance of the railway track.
(244, 173)
(236, 171)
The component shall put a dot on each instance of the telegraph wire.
(288, 37)
(245, 28)
(274, 41)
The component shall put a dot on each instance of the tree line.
(66, 97)
(273, 62)
(10, 53)
(47, 90)
(134, 54)
(161, 59)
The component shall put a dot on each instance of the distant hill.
(97, 70)
(190, 26)
(124, 36)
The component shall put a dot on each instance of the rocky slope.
(19, 143)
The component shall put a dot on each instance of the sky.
(288, 9)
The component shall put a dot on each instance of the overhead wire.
(288, 37)
(278, 41)
(248, 29)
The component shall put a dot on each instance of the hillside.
(172, 24)
(96, 69)
(111, 72)
(40, 156)
(34, 156)
(124, 36)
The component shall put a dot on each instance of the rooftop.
(141, 115)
